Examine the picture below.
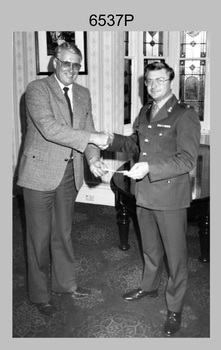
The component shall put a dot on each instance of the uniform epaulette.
(183, 104)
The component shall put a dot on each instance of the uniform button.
(160, 134)
(149, 126)
(144, 153)
(146, 140)
(168, 181)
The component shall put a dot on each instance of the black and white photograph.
(111, 183)
(47, 41)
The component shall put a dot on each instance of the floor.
(109, 272)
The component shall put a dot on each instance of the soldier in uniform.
(167, 138)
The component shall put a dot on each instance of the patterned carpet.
(109, 272)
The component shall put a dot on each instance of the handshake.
(101, 139)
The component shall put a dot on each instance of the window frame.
(172, 57)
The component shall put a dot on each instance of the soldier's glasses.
(158, 81)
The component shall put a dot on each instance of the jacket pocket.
(36, 155)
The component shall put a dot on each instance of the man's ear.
(54, 63)
(171, 84)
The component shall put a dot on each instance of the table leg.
(123, 223)
(204, 235)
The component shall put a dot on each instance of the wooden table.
(199, 210)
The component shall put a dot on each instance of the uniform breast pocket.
(166, 139)
(165, 133)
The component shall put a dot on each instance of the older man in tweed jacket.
(51, 174)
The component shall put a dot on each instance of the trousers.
(49, 218)
(164, 233)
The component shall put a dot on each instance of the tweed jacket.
(170, 145)
(50, 137)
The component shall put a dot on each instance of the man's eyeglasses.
(68, 65)
(158, 81)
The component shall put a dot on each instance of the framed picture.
(46, 42)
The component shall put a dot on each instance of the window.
(193, 51)
(153, 44)
(127, 80)
(127, 90)
(186, 51)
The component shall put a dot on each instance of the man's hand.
(97, 167)
(109, 141)
(101, 139)
(138, 171)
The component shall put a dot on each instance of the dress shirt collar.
(62, 86)
(69, 91)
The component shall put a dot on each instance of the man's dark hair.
(157, 66)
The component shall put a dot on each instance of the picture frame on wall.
(46, 42)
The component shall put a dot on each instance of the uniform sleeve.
(129, 144)
(122, 143)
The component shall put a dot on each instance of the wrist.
(92, 138)
(93, 160)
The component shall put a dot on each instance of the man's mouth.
(154, 91)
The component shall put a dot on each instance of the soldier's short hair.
(157, 66)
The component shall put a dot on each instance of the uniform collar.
(162, 102)
(170, 103)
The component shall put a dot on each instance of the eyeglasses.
(158, 81)
(68, 65)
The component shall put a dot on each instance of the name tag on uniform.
(163, 126)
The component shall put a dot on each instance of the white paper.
(116, 171)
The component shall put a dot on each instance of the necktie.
(70, 110)
(69, 103)
(155, 109)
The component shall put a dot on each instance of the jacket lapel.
(149, 105)
(162, 113)
(166, 109)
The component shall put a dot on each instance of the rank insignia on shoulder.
(183, 104)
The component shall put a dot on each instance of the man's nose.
(71, 68)
(154, 83)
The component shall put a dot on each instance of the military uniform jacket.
(170, 145)
(50, 138)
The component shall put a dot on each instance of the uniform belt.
(68, 160)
